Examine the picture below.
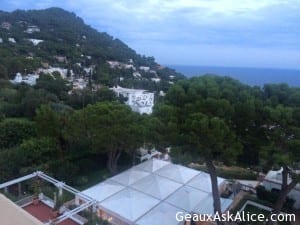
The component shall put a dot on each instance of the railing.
(25, 201)
(47, 201)
(79, 219)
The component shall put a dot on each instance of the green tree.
(3, 72)
(203, 121)
(14, 131)
(52, 124)
(109, 127)
(282, 150)
(38, 152)
(213, 140)
(33, 99)
(55, 85)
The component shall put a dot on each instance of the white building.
(11, 40)
(145, 68)
(156, 79)
(140, 101)
(113, 64)
(152, 193)
(79, 84)
(1, 40)
(50, 70)
(35, 42)
(136, 74)
(32, 29)
(27, 79)
(273, 181)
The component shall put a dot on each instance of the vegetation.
(69, 43)
(208, 119)
(220, 119)
(109, 128)
(272, 196)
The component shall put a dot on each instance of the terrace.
(61, 209)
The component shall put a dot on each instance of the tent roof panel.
(164, 213)
(139, 193)
(156, 186)
(206, 205)
(103, 190)
(130, 176)
(129, 204)
(186, 198)
(177, 173)
(152, 165)
(202, 182)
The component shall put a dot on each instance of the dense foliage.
(69, 134)
(220, 119)
(69, 43)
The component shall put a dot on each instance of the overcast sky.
(252, 33)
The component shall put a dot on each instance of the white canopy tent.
(152, 165)
(206, 205)
(153, 192)
(104, 190)
(156, 186)
(164, 213)
(130, 176)
(130, 204)
(202, 182)
(177, 173)
(186, 198)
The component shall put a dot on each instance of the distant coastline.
(250, 76)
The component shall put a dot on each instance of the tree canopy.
(109, 127)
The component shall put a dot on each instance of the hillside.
(35, 40)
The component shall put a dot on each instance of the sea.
(251, 76)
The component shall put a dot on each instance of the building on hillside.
(50, 70)
(145, 68)
(1, 40)
(31, 29)
(35, 42)
(5, 25)
(153, 193)
(61, 59)
(114, 64)
(79, 84)
(273, 181)
(156, 79)
(140, 101)
(12, 40)
(29, 79)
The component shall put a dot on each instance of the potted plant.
(58, 203)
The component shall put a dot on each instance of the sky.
(241, 33)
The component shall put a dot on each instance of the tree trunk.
(62, 146)
(215, 188)
(112, 161)
(285, 190)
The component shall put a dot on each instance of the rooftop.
(152, 192)
(11, 214)
(44, 213)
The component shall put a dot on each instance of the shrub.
(81, 180)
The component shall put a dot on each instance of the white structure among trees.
(152, 193)
(273, 181)
(140, 101)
